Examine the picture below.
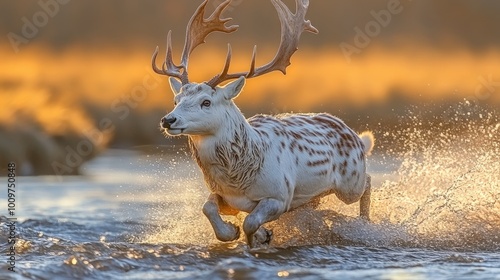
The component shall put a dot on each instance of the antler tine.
(292, 26)
(199, 28)
(223, 75)
(252, 64)
(168, 66)
(153, 62)
(169, 62)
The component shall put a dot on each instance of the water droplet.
(283, 273)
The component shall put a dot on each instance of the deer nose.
(167, 122)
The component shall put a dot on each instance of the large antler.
(292, 26)
(197, 30)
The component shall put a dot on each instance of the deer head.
(200, 108)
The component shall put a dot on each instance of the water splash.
(448, 193)
(173, 207)
(445, 194)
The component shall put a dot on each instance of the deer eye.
(206, 103)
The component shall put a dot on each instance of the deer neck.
(233, 150)
(235, 136)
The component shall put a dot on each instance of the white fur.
(267, 165)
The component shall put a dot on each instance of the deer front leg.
(224, 231)
(364, 202)
(266, 210)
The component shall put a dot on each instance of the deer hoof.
(230, 232)
(263, 236)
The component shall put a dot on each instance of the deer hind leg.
(364, 202)
(224, 231)
(266, 210)
(262, 236)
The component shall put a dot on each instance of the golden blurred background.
(75, 76)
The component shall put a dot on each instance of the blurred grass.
(52, 100)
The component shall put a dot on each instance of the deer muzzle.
(167, 121)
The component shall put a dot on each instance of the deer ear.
(232, 89)
(175, 85)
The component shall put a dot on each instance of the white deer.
(264, 165)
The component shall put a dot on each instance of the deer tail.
(368, 141)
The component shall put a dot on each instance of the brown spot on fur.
(296, 135)
(317, 134)
(337, 123)
(348, 145)
(265, 134)
(343, 168)
(309, 141)
(338, 145)
(321, 173)
(321, 152)
(318, 162)
(327, 120)
(309, 121)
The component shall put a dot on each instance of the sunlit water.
(435, 206)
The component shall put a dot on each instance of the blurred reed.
(51, 100)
